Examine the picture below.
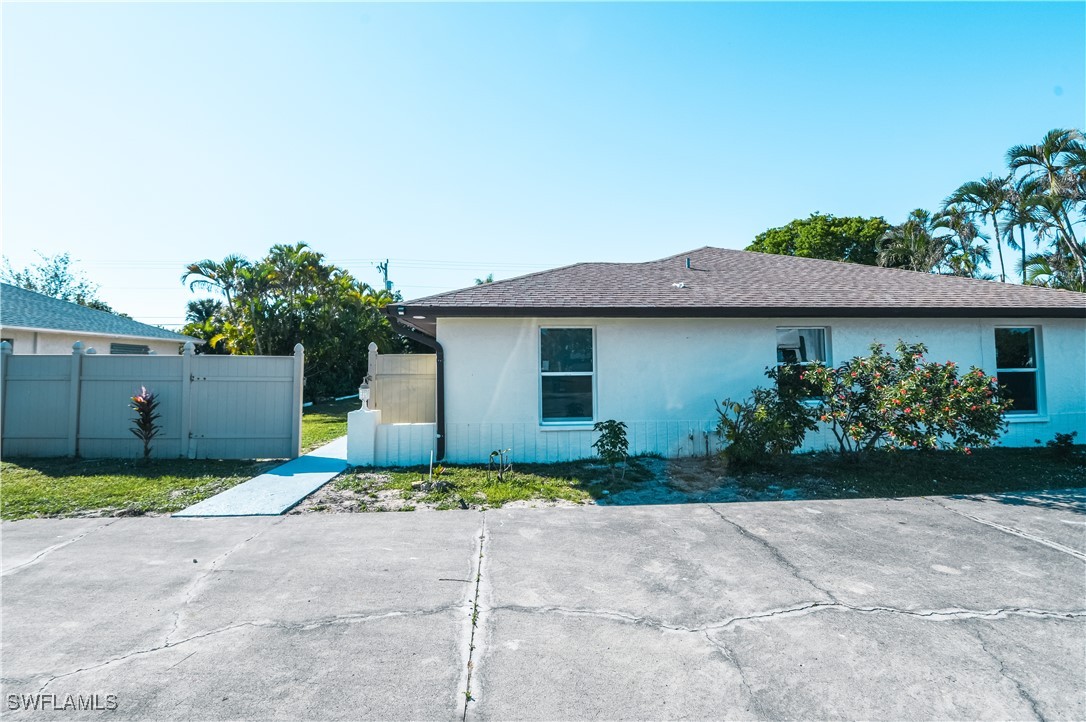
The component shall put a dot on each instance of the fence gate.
(239, 404)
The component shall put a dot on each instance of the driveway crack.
(1011, 530)
(194, 587)
(49, 550)
(1026, 696)
(475, 635)
(773, 551)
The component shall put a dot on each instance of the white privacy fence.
(398, 426)
(211, 407)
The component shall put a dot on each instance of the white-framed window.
(801, 346)
(1017, 367)
(567, 375)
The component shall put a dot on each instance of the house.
(530, 363)
(37, 324)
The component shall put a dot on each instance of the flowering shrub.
(905, 402)
(770, 421)
(145, 426)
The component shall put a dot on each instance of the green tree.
(204, 320)
(852, 239)
(54, 276)
(1055, 169)
(483, 281)
(293, 295)
(990, 199)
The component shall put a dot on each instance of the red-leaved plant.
(145, 426)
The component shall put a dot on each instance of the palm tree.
(225, 277)
(913, 244)
(1056, 169)
(483, 281)
(964, 254)
(988, 198)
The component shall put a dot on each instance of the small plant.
(145, 426)
(505, 463)
(1062, 444)
(612, 445)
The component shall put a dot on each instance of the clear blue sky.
(459, 140)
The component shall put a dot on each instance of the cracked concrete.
(881, 609)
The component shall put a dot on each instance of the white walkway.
(279, 490)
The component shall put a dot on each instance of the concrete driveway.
(877, 609)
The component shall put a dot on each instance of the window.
(799, 347)
(128, 348)
(566, 370)
(1016, 367)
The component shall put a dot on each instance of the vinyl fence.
(403, 387)
(211, 407)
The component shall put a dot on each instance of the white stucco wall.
(58, 342)
(662, 377)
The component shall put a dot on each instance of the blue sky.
(459, 140)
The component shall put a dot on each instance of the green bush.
(612, 445)
(770, 421)
(903, 402)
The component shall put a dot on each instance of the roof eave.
(405, 311)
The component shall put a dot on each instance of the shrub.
(1062, 444)
(145, 426)
(612, 445)
(770, 421)
(905, 402)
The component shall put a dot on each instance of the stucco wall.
(662, 377)
(56, 342)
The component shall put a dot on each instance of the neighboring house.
(530, 363)
(37, 324)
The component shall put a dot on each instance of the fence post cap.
(190, 348)
(373, 346)
(299, 349)
(5, 347)
(77, 348)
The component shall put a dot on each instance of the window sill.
(583, 426)
(1026, 418)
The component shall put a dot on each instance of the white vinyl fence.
(398, 425)
(211, 407)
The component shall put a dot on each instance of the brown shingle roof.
(725, 282)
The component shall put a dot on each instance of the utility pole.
(383, 269)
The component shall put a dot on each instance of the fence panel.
(36, 403)
(404, 388)
(226, 407)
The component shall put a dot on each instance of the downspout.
(408, 331)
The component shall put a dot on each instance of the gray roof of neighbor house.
(20, 308)
(722, 282)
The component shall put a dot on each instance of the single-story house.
(36, 324)
(530, 363)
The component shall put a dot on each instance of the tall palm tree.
(965, 253)
(988, 198)
(225, 277)
(913, 244)
(1057, 169)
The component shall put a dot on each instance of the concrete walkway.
(279, 490)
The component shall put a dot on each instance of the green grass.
(468, 486)
(326, 421)
(105, 487)
(67, 487)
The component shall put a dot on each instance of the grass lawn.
(326, 421)
(654, 481)
(106, 487)
(463, 487)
